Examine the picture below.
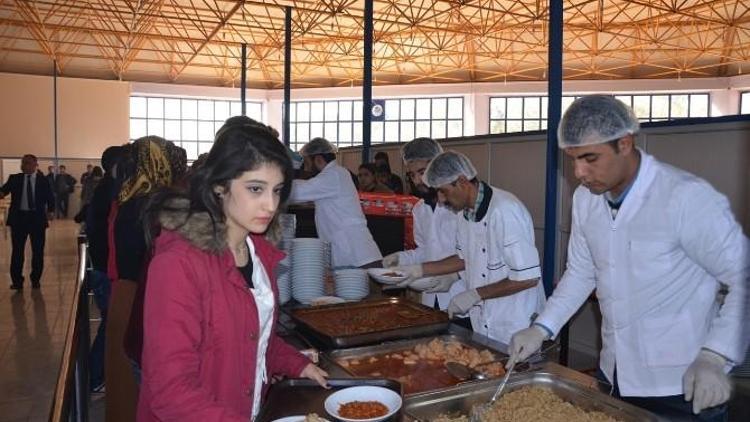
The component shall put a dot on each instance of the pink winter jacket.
(201, 328)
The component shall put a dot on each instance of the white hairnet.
(317, 146)
(421, 149)
(596, 119)
(447, 167)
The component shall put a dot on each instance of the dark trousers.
(27, 226)
(99, 284)
(673, 408)
(62, 205)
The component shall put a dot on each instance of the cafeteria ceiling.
(416, 41)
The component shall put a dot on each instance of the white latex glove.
(442, 283)
(390, 260)
(462, 302)
(412, 272)
(705, 382)
(525, 342)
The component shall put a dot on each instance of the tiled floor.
(32, 326)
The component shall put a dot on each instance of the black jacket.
(42, 196)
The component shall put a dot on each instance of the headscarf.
(152, 168)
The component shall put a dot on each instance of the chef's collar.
(616, 203)
(482, 203)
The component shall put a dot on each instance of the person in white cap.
(495, 242)
(338, 214)
(435, 226)
(657, 244)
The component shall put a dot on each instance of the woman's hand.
(316, 374)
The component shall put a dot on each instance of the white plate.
(388, 397)
(296, 418)
(326, 300)
(378, 275)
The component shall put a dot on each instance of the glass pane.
(391, 131)
(407, 131)
(455, 128)
(172, 108)
(455, 108)
(438, 129)
(255, 111)
(439, 108)
(497, 126)
(137, 128)
(303, 112)
(191, 148)
(172, 130)
(529, 125)
(407, 109)
(515, 108)
(236, 108)
(357, 134)
(545, 104)
(679, 106)
(204, 147)
(627, 99)
(292, 133)
(331, 131)
(345, 111)
(377, 132)
(189, 109)
(316, 112)
(641, 106)
(423, 109)
(303, 132)
(357, 111)
(345, 132)
(189, 130)
(497, 108)
(392, 110)
(205, 131)
(205, 110)
(514, 126)
(292, 112)
(316, 129)
(566, 102)
(531, 107)
(699, 105)
(222, 110)
(745, 103)
(423, 130)
(660, 106)
(137, 107)
(156, 127)
(156, 108)
(544, 125)
(332, 111)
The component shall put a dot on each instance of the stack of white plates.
(310, 260)
(351, 284)
(288, 224)
(284, 280)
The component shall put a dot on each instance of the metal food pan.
(292, 397)
(459, 400)
(432, 322)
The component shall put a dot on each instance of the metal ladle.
(463, 372)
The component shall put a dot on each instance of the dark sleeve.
(398, 185)
(130, 245)
(96, 225)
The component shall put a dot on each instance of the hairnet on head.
(596, 119)
(421, 149)
(447, 167)
(317, 146)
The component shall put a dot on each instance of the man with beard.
(434, 228)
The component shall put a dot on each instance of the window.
(188, 122)
(745, 103)
(529, 113)
(340, 121)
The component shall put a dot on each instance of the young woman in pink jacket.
(210, 305)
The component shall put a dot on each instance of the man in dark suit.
(27, 217)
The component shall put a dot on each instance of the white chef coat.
(264, 301)
(499, 246)
(338, 215)
(435, 236)
(656, 268)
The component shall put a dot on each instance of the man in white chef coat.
(435, 226)
(657, 244)
(338, 214)
(495, 245)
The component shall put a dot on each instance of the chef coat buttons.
(483, 250)
(484, 275)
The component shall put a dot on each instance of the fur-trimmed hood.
(197, 227)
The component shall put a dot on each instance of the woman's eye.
(277, 191)
(255, 189)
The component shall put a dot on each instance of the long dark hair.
(240, 146)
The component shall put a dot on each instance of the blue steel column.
(285, 125)
(367, 85)
(554, 104)
(243, 79)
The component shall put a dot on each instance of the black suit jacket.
(42, 196)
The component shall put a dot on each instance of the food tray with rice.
(357, 324)
(300, 398)
(419, 364)
(552, 393)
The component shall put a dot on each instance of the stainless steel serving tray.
(433, 322)
(572, 386)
